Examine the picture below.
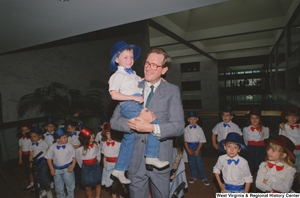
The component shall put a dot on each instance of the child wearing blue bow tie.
(235, 169)
(194, 139)
(38, 149)
(221, 129)
(49, 127)
(71, 127)
(123, 87)
(61, 161)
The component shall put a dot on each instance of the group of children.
(63, 147)
(274, 161)
(57, 153)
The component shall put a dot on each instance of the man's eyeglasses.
(153, 66)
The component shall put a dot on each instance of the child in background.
(49, 126)
(221, 130)
(61, 161)
(123, 86)
(99, 135)
(71, 127)
(23, 151)
(37, 146)
(235, 169)
(254, 135)
(276, 174)
(88, 157)
(177, 175)
(193, 141)
(291, 129)
(110, 151)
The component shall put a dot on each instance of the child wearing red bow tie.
(23, 151)
(88, 156)
(254, 135)
(110, 150)
(291, 129)
(61, 161)
(276, 174)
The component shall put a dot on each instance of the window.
(191, 85)
(190, 67)
(192, 104)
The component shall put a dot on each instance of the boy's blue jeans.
(42, 172)
(131, 109)
(195, 162)
(62, 177)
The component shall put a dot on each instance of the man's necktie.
(58, 147)
(129, 70)
(35, 143)
(195, 126)
(229, 161)
(50, 134)
(226, 125)
(278, 168)
(91, 145)
(294, 126)
(253, 128)
(71, 135)
(110, 143)
(150, 96)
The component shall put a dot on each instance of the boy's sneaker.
(52, 185)
(43, 193)
(206, 182)
(192, 180)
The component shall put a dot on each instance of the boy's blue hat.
(58, 133)
(226, 109)
(36, 130)
(232, 137)
(118, 48)
(49, 120)
(192, 114)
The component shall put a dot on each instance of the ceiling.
(213, 29)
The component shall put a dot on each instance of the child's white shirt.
(194, 134)
(222, 131)
(233, 174)
(124, 83)
(281, 181)
(61, 156)
(48, 138)
(91, 153)
(255, 135)
(24, 143)
(292, 134)
(43, 146)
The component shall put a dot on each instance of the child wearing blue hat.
(123, 86)
(235, 169)
(49, 126)
(221, 129)
(61, 161)
(38, 149)
(194, 139)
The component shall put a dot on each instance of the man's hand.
(140, 125)
(147, 115)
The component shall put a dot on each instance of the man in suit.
(165, 106)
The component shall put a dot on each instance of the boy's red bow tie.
(110, 143)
